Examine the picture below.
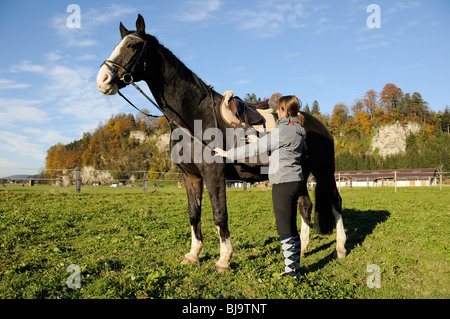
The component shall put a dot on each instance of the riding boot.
(291, 253)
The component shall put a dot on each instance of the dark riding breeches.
(285, 202)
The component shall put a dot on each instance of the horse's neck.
(172, 84)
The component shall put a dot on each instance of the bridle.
(127, 78)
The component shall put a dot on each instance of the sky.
(329, 51)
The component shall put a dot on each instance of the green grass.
(130, 245)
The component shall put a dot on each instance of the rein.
(127, 78)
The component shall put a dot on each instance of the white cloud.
(53, 56)
(26, 66)
(90, 19)
(47, 136)
(68, 92)
(199, 10)
(272, 18)
(409, 25)
(373, 45)
(13, 111)
(243, 82)
(9, 84)
(18, 144)
(401, 6)
(87, 57)
(6, 163)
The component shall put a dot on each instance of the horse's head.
(122, 67)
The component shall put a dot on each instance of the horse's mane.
(182, 70)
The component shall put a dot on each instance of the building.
(381, 178)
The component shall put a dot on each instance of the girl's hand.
(220, 152)
(252, 138)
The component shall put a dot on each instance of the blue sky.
(317, 50)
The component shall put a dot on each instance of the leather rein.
(127, 78)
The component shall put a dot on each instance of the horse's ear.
(123, 30)
(140, 25)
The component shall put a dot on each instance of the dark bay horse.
(183, 98)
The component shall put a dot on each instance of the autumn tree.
(370, 101)
(362, 121)
(390, 98)
(273, 100)
(339, 117)
(357, 106)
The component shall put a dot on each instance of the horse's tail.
(326, 196)
(318, 158)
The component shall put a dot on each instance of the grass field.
(130, 245)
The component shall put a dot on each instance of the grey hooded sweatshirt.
(284, 144)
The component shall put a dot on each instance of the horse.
(183, 98)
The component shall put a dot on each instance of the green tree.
(315, 108)
(307, 110)
(251, 98)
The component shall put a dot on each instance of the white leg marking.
(304, 238)
(226, 252)
(196, 249)
(340, 235)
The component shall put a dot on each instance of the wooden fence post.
(395, 180)
(339, 179)
(77, 180)
(145, 182)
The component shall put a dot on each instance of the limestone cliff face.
(162, 141)
(391, 139)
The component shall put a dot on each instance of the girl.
(284, 144)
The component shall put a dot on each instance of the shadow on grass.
(358, 225)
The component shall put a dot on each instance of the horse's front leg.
(215, 184)
(194, 190)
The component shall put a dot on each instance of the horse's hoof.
(221, 269)
(190, 260)
(340, 254)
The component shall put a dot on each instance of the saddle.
(239, 114)
(247, 112)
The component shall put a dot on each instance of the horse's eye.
(131, 46)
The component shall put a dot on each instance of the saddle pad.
(233, 121)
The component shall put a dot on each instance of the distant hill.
(17, 177)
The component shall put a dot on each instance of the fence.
(89, 176)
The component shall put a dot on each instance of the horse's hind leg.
(305, 208)
(340, 232)
(194, 190)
